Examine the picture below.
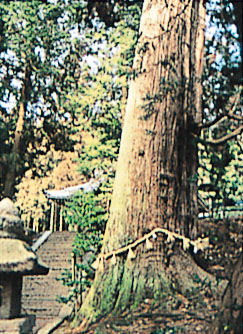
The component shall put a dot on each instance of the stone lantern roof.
(10, 222)
(16, 256)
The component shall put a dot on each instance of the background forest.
(65, 68)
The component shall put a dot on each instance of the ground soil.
(192, 315)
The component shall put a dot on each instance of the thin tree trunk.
(11, 174)
(155, 185)
(9, 181)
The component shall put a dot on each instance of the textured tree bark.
(155, 183)
(230, 317)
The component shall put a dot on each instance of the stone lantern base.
(23, 325)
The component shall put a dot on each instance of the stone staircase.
(39, 295)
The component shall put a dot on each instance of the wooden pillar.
(73, 266)
(55, 216)
(37, 227)
(211, 206)
(52, 216)
(80, 286)
(61, 217)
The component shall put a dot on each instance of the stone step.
(65, 245)
(55, 260)
(40, 293)
(40, 284)
(56, 252)
(36, 294)
(47, 308)
(44, 311)
(36, 297)
(59, 237)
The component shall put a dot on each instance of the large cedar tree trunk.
(155, 183)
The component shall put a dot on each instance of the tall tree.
(155, 191)
(39, 60)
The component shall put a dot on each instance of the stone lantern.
(16, 260)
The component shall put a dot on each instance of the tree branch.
(225, 115)
(215, 121)
(225, 138)
(235, 117)
(220, 118)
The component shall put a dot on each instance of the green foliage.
(86, 214)
(220, 168)
(233, 176)
(221, 171)
(167, 330)
(222, 60)
(221, 78)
